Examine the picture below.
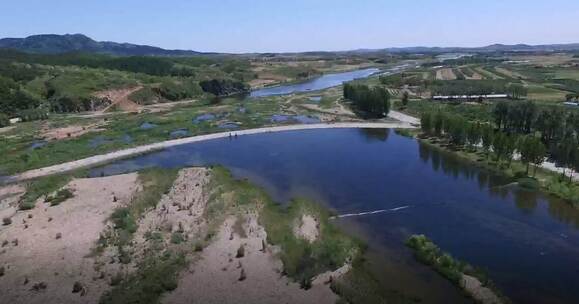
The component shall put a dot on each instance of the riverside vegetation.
(517, 128)
(47, 92)
(452, 269)
(302, 260)
(166, 253)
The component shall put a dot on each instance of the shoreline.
(104, 158)
(292, 82)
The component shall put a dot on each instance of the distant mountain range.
(489, 48)
(57, 44)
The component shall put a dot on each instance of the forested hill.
(31, 85)
(57, 44)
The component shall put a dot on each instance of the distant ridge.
(484, 49)
(57, 44)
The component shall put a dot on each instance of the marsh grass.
(59, 197)
(155, 275)
(327, 102)
(360, 286)
(44, 186)
(18, 157)
(449, 267)
(302, 260)
(563, 189)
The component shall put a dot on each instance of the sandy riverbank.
(46, 250)
(61, 242)
(104, 158)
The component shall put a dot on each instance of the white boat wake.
(370, 212)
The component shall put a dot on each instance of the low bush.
(145, 96)
(39, 187)
(303, 260)
(4, 120)
(564, 190)
(60, 196)
(529, 183)
(240, 252)
(177, 238)
(178, 90)
(223, 87)
(154, 276)
(6, 221)
(33, 114)
(452, 269)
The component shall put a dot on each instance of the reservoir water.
(527, 242)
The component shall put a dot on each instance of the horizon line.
(308, 51)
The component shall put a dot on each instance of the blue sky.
(297, 25)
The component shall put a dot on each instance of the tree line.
(466, 60)
(523, 127)
(457, 87)
(374, 101)
(499, 142)
(557, 128)
(156, 66)
(402, 79)
(478, 87)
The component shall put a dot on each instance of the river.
(527, 242)
(329, 80)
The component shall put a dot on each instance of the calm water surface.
(315, 84)
(528, 243)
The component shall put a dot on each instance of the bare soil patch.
(480, 293)
(48, 247)
(445, 74)
(221, 277)
(69, 131)
(262, 82)
(119, 99)
(307, 228)
(181, 210)
(6, 129)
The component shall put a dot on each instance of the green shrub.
(529, 183)
(177, 238)
(223, 87)
(33, 114)
(198, 247)
(154, 276)
(4, 120)
(123, 219)
(303, 260)
(564, 190)
(6, 221)
(240, 252)
(145, 96)
(428, 253)
(177, 90)
(60, 196)
(42, 186)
